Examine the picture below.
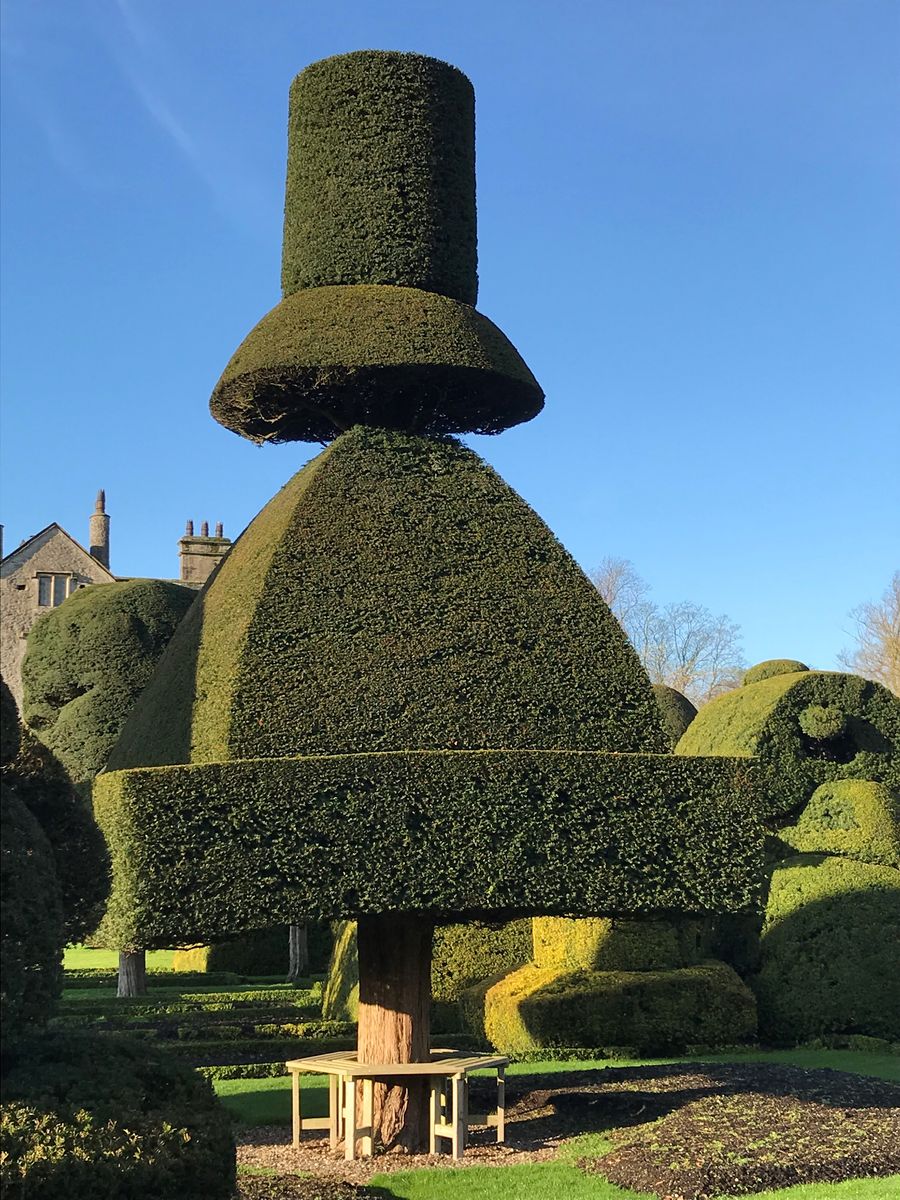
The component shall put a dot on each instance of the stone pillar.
(99, 531)
(201, 554)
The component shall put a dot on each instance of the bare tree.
(682, 645)
(876, 653)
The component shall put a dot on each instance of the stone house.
(48, 567)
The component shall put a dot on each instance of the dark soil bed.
(687, 1130)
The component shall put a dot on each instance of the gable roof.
(20, 556)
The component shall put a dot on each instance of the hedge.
(648, 1012)
(89, 659)
(260, 952)
(79, 851)
(396, 594)
(677, 711)
(211, 849)
(331, 357)
(381, 175)
(830, 951)
(31, 920)
(766, 719)
(107, 977)
(606, 944)
(850, 817)
(9, 725)
(772, 667)
(110, 1119)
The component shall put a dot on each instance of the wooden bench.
(448, 1109)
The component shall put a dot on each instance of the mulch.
(683, 1131)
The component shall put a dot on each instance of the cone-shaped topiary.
(677, 711)
(379, 267)
(771, 719)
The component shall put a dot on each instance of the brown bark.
(132, 973)
(298, 952)
(394, 1021)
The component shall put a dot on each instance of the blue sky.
(688, 225)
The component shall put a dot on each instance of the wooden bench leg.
(335, 1100)
(456, 1119)
(367, 1148)
(434, 1112)
(295, 1109)
(501, 1104)
(350, 1119)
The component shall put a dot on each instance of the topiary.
(88, 660)
(850, 817)
(855, 724)
(677, 711)
(772, 667)
(79, 850)
(613, 944)
(648, 1012)
(110, 1120)
(261, 952)
(31, 920)
(9, 725)
(376, 325)
(829, 951)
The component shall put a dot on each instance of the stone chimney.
(99, 531)
(200, 555)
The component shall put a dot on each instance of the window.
(53, 589)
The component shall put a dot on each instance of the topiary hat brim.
(327, 358)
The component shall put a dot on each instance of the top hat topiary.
(379, 267)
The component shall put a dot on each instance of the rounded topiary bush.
(850, 817)
(856, 733)
(830, 951)
(613, 944)
(31, 920)
(110, 1119)
(89, 659)
(677, 711)
(772, 667)
(538, 1008)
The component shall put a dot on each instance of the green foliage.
(111, 1120)
(340, 1001)
(466, 954)
(9, 725)
(260, 952)
(395, 595)
(80, 854)
(98, 977)
(30, 918)
(850, 817)
(651, 1011)
(830, 951)
(611, 944)
(331, 357)
(677, 711)
(89, 659)
(766, 719)
(772, 667)
(381, 175)
(823, 721)
(477, 835)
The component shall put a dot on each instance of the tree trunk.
(394, 1020)
(132, 973)
(298, 952)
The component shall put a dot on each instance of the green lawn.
(81, 958)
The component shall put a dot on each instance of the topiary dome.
(773, 666)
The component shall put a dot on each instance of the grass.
(83, 958)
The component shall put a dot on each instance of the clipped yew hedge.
(611, 944)
(772, 667)
(850, 817)
(772, 719)
(331, 357)
(381, 175)
(87, 661)
(396, 594)
(209, 849)
(829, 951)
(9, 725)
(677, 711)
(90, 1118)
(646, 1012)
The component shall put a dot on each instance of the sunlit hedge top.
(395, 595)
(808, 728)
(381, 175)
